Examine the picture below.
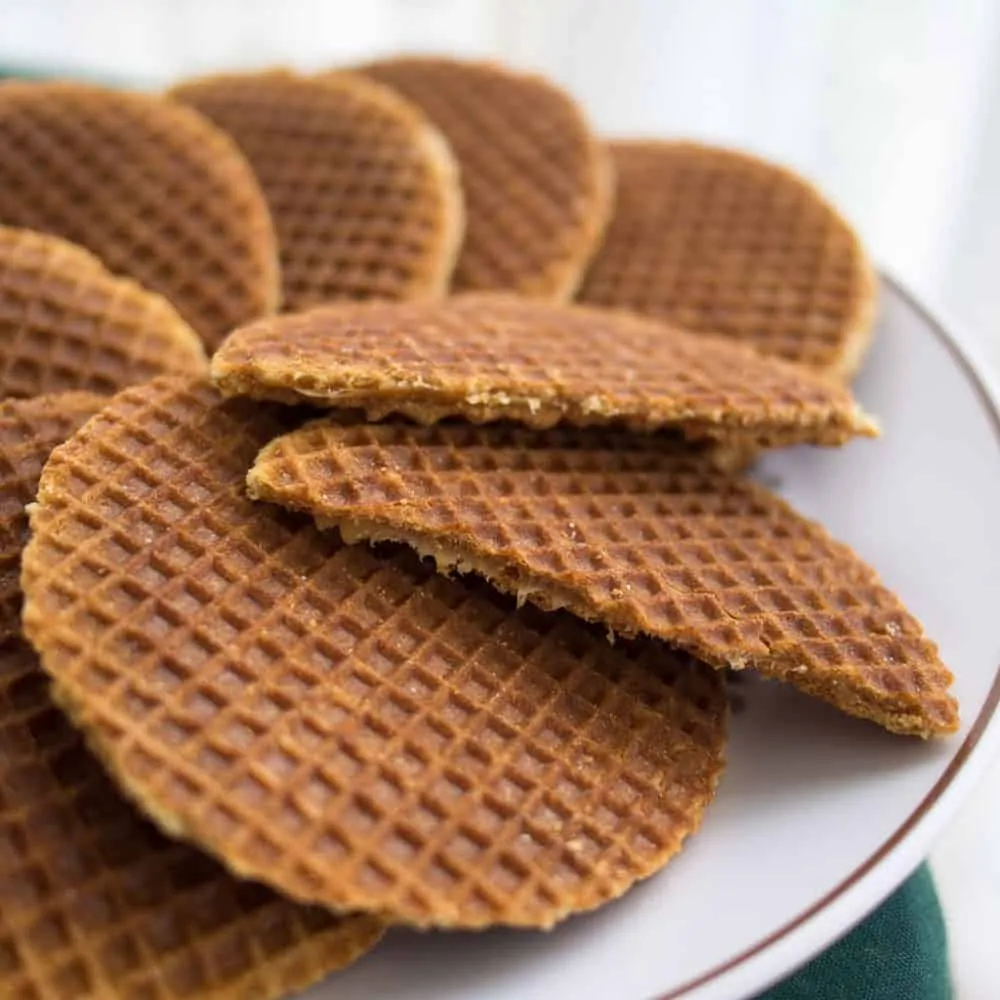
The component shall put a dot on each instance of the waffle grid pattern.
(29, 430)
(97, 903)
(151, 187)
(538, 186)
(645, 539)
(488, 357)
(364, 192)
(426, 753)
(720, 242)
(66, 323)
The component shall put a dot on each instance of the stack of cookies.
(375, 538)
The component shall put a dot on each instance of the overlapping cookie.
(722, 242)
(363, 189)
(639, 536)
(67, 323)
(488, 357)
(538, 185)
(96, 902)
(345, 725)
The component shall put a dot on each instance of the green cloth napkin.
(900, 952)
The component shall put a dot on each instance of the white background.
(893, 107)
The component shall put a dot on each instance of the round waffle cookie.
(497, 357)
(98, 904)
(68, 323)
(637, 534)
(345, 725)
(538, 186)
(719, 241)
(29, 430)
(363, 190)
(153, 188)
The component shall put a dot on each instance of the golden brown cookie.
(347, 726)
(153, 188)
(722, 242)
(363, 189)
(67, 323)
(494, 357)
(538, 186)
(29, 430)
(98, 904)
(640, 537)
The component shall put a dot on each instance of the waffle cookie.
(492, 357)
(68, 323)
(98, 904)
(29, 430)
(152, 188)
(645, 539)
(347, 726)
(538, 186)
(721, 242)
(363, 190)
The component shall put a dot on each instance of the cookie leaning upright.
(538, 186)
(489, 357)
(363, 189)
(722, 242)
(153, 188)
(67, 323)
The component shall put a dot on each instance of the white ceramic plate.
(819, 816)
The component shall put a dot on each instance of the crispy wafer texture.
(98, 904)
(153, 188)
(350, 727)
(722, 242)
(67, 323)
(363, 190)
(538, 186)
(29, 430)
(642, 537)
(492, 357)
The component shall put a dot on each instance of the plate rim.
(793, 944)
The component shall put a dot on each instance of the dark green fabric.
(899, 953)
(27, 73)
(21, 73)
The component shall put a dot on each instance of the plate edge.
(981, 741)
